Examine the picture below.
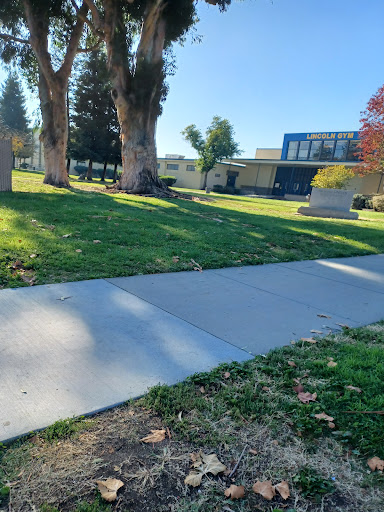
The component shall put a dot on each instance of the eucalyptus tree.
(138, 34)
(42, 37)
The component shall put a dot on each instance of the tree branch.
(95, 14)
(84, 18)
(9, 37)
(152, 34)
(91, 48)
(65, 68)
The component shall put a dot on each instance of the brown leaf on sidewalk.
(266, 489)
(108, 488)
(324, 316)
(156, 437)
(316, 332)
(343, 325)
(235, 492)
(283, 489)
(324, 416)
(352, 388)
(307, 397)
(376, 463)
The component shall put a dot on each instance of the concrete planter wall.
(331, 203)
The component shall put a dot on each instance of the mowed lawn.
(81, 233)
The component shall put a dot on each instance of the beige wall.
(268, 154)
(371, 184)
(185, 179)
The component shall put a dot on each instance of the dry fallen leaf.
(79, 250)
(316, 332)
(33, 256)
(376, 463)
(307, 397)
(156, 437)
(352, 388)
(66, 236)
(292, 363)
(235, 492)
(266, 388)
(252, 451)
(97, 241)
(343, 325)
(324, 316)
(175, 259)
(299, 388)
(332, 364)
(226, 375)
(108, 488)
(309, 340)
(324, 416)
(202, 389)
(266, 489)
(331, 424)
(283, 489)
(204, 464)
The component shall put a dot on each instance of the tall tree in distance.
(372, 137)
(42, 37)
(218, 144)
(138, 34)
(12, 104)
(95, 131)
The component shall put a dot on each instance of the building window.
(314, 154)
(190, 167)
(217, 175)
(327, 150)
(173, 167)
(341, 150)
(303, 150)
(353, 150)
(158, 166)
(292, 150)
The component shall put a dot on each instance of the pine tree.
(12, 105)
(95, 131)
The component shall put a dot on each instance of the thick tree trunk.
(138, 151)
(55, 132)
(205, 181)
(104, 172)
(115, 174)
(89, 171)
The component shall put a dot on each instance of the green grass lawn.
(250, 408)
(143, 235)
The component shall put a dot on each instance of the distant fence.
(5, 165)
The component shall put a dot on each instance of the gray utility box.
(5, 165)
(331, 203)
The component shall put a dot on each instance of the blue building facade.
(308, 152)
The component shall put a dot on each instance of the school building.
(284, 172)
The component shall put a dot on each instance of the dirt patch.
(63, 473)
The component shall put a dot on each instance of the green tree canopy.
(12, 104)
(218, 144)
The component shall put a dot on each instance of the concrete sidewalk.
(109, 340)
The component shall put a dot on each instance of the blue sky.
(275, 67)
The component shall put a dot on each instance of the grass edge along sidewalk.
(302, 414)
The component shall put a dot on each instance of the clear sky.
(273, 67)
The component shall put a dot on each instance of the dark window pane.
(314, 154)
(173, 167)
(292, 150)
(353, 150)
(341, 150)
(303, 150)
(327, 150)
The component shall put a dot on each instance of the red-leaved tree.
(372, 137)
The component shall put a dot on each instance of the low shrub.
(378, 203)
(80, 169)
(360, 201)
(218, 189)
(333, 176)
(168, 180)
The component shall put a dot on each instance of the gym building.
(285, 173)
